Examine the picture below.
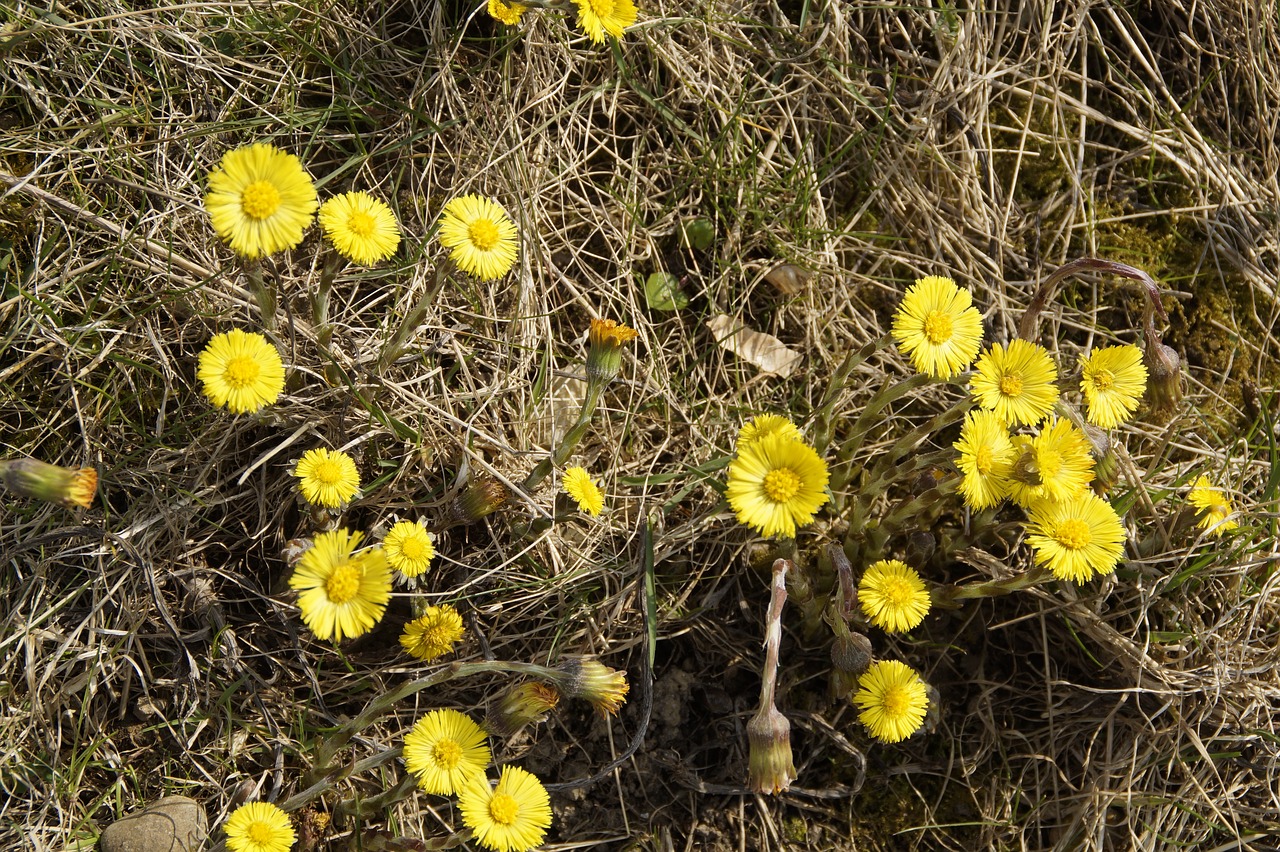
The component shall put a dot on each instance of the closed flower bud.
(1164, 379)
(49, 482)
(769, 765)
(522, 704)
(604, 349)
(482, 497)
(584, 677)
(852, 653)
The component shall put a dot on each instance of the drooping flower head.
(766, 424)
(603, 687)
(600, 17)
(1077, 537)
(1017, 383)
(577, 484)
(986, 459)
(409, 548)
(892, 596)
(512, 817)
(938, 327)
(341, 593)
(327, 477)
(770, 765)
(446, 750)
(522, 704)
(259, 827)
(1054, 465)
(507, 13)
(776, 484)
(260, 200)
(66, 486)
(241, 371)
(605, 340)
(434, 634)
(1214, 505)
(1113, 380)
(893, 701)
(481, 235)
(360, 227)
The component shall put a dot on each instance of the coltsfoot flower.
(986, 459)
(259, 827)
(506, 13)
(327, 477)
(241, 371)
(599, 18)
(362, 228)
(1054, 465)
(938, 327)
(582, 677)
(446, 750)
(434, 634)
(66, 486)
(481, 235)
(776, 484)
(260, 200)
(512, 817)
(892, 596)
(1076, 538)
(605, 339)
(1018, 383)
(577, 484)
(341, 593)
(893, 701)
(1214, 506)
(409, 548)
(1113, 380)
(523, 704)
(766, 424)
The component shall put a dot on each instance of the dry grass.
(151, 646)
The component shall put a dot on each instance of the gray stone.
(172, 824)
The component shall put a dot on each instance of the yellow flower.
(938, 327)
(66, 486)
(259, 827)
(446, 750)
(260, 200)
(522, 704)
(986, 459)
(605, 339)
(1076, 538)
(327, 477)
(507, 13)
(578, 485)
(598, 17)
(481, 234)
(409, 548)
(776, 484)
(1215, 504)
(603, 687)
(341, 593)
(1113, 381)
(512, 817)
(1016, 383)
(1054, 465)
(361, 227)
(892, 596)
(241, 371)
(766, 424)
(434, 634)
(893, 701)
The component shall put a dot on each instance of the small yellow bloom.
(1113, 381)
(1054, 465)
(893, 701)
(938, 327)
(327, 477)
(1077, 537)
(66, 486)
(578, 485)
(259, 827)
(260, 200)
(1215, 506)
(409, 548)
(481, 235)
(604, 348)
(241, 371)
(341, 593)
(1017, 383)
(777, 484)
(434, 634)
(986, 459)
(603, 687)
(598, 17)
(361, 227)
(892, 596)
(512, 817)
(446, 750)
(507, 13)
(766, 424)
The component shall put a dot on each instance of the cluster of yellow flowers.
(598, 18)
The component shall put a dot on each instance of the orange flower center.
(259, 200)
(503, 808)
(328, 472)
(483, 234)
(360, 223)
(343, 583)
(781, 485)
(938, 327)
(1073, 534)
(446, 754)
(1011, 385)
(242, 371)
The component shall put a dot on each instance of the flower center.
(259, 200)
(343, 583)
(329, 472)
(984, 460)
(1011, 385)
(1050, 463)
(895, 701)
(360, 224)
(447, 754)
(260, 832)
(1103, 380)
(503, 808)
(483, 234)
(412, 548)
(898, 592)
(781, 485)
(937, 327)
(242, 371)
(1073, 534)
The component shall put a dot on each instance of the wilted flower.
(583, 677)
(770, 768)
(65, 486)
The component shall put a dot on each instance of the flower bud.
(852, 653)
(604, 349)
(65, 486)
(482, 497)
(584, 677)
(1164, 379)
(769, 765)
(523, 704)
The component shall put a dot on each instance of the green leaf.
(662, 292)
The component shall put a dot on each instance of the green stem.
(570, 440)
(395, 345)
(264, 292)
(825, 421)
(948, 597)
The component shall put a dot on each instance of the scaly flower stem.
(1028, 325)
(333, 263)
(570, 440)
(948, 597)
(396, 343)
(264, 292)
(825, 420)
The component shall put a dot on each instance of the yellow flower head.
(259, 827)
(604, 348)
(433, 635)
(892, 596)
(241, 371)
(409, 548)
(776, 484)
(893, 701)
(481, 235)
(1215, 506)
(361, 227)
(1113, 381)
(507, 13)
(938, 327)
(766, 424)
(327, 477)
(603, 687)
(446, 750)
(1016, 383)
(578, 485)
(1054, 465)
(66, 486)
(986, 459)
(341, 593)
(511, 817)
(1076, 538)
(598, 17)
(260, 200)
